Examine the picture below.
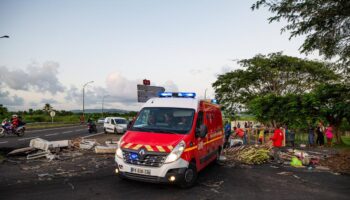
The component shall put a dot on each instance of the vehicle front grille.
(149, 159)
(141, 177)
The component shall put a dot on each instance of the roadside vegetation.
(41, 118)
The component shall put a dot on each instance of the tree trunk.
(337, 135)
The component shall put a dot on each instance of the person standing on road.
(292, 138)
(311, 136)
(277, 137)
(228, 132)
(329, 135)
(320, 134)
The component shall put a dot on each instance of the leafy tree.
(333, 104)
(272, 74)
(30, 111)
(326, 24)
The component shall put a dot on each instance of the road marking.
(3, 142)
(27, 138)
(52, 134)
(49, 129)
(93, 135)
(67, 132)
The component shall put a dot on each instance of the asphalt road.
(215, 182)
(51, 134)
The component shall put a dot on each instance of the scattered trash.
(297, 177)
(248, 154)
(296, 162)
(45, 145)
(87, 144)
(25, 150)
(105, 149)
(40, 154)
(285, 173)
(302, 145)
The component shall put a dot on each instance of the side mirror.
(202, 132)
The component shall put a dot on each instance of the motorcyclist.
(14, 122)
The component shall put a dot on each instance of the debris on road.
(105, 149)
(45, 145)
(87, 144)
(25, 150)
(256, 154)
(339, 162)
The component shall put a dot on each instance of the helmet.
(14, 116)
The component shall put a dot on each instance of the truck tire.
(190, 176)
(104, 130)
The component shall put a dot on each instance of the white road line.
(93, 135)
(3, 142)
(67, 132)
(52, 134)
(27, 138)
(49, 129)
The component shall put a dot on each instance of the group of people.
(282, 136)
(321, 132)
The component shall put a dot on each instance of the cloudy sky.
(57, 46)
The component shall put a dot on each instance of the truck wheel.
(218, 153)
(190, 176)
(105, 130)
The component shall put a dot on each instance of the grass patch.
(346, 140)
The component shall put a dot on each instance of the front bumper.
(160, 174)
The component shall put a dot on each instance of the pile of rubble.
(39, 148)
(312, 159)
(256, 154)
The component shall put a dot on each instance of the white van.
(115, 125)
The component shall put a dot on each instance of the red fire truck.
(173, 137)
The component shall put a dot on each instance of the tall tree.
(326, 24)
(47, 108)
(272, 74)
(334, 104)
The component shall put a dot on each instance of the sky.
(55, 47)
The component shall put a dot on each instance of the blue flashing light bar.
(214, 101)
(178, 94)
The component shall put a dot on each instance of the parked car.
(115, 125)
(101, 121)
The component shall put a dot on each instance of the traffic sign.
(145, 92)
(52, 113)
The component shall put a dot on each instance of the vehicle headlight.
(176, 152)
(119, 151)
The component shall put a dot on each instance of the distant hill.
(99, 111)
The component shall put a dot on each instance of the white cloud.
(38, 78)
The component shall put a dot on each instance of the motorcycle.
(92, 127)
(7, 129)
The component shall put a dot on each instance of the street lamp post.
(84, 97)
(205, 93)
(103, 99)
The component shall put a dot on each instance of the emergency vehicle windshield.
(164, 120)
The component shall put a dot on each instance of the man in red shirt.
(277, 137)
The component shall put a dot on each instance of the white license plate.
(140, 171)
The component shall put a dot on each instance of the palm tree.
(47, 108)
